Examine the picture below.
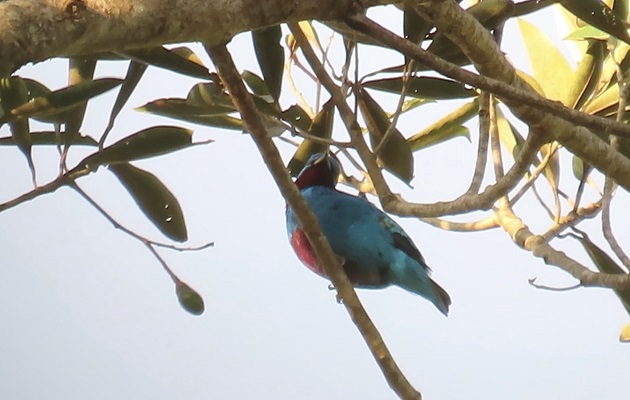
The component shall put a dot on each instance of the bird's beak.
(324, 157)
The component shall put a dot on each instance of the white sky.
(88, 313)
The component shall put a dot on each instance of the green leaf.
(60, 101)
(598, 14)
(395, 154)
(606, 264)
(551, 70)
(587, 75)
(154, 199)
(552, 170)
(212, 95)
(489, 13)
(424, 87)
(181, 60)
(322, 127)
(297, 117)
(14, 94)
(146, 143)
(528, 7)
(257, 85)
(415, 28)
(49, 138)
(189, 299)
(446, 128)
(511, 139)
(605, 104)
(135, 71)
(81, 70)
(204, 115)
(588, 32)
(270, 55)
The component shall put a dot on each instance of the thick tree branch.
(480, 47)
(331, 265)
(36, 30)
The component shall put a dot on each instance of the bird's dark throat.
(319, 174)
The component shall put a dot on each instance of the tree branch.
(522, 236)
(331, 265)
(36, 30)
(545, 116)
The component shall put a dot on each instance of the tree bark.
(35, 30)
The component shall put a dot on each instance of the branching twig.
(522, 236)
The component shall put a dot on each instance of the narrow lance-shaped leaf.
(424, 87)
(270, 55)
(135, 71)
(551, 70)
(189, 299)
(322, 127)
(598, 14)
(204, 115)
(61, 100)
(154, 199)
(146, 143)
(49, 138)
(212, 95)
(587, 74)
(489, 13)
(13, 94)
(605, 264)
(297, 117)
(257, 84)
(415, 28)
(447, 127)
(395, 154)
(552, 172)
(176, 60)
(80, 70)
(527, 7)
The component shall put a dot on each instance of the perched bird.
(375, 250)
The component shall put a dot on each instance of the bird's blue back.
(376, 251)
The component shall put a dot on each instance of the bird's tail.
(418, 282)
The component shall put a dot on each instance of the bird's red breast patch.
(304, 251)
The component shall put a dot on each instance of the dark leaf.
(135, 71)
(424, 87)
(446, 128)
(598, 14)
(154, 199)
(270, 55)
(606, 264)
(395, 154)
(322, 127)
(146, 143)
(182, 61)
(59, 101)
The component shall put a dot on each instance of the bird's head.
(321, 169)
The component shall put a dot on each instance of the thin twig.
(482, 146)
(532, 282)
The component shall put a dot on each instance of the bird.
(375, 251)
